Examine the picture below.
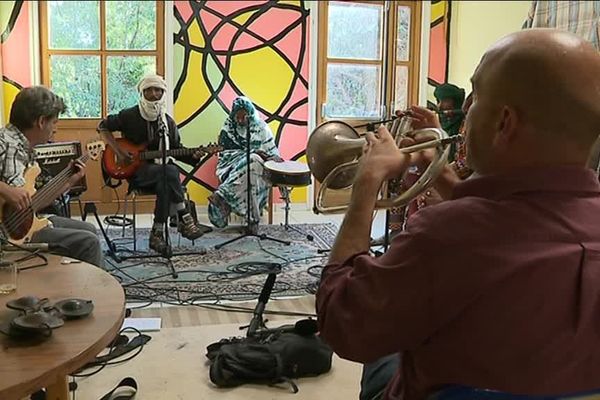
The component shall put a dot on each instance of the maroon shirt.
(497, 289)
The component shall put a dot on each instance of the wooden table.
(26, 369)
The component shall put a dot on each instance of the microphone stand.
(257, 328)
(247, 229)
(168, 253)
(257, 323)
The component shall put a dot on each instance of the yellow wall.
(474, 26)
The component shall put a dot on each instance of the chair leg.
(80, 205)
(124, 214)
(134, 223)
(271, 205)
(187, 197)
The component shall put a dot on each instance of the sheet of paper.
(142, 324)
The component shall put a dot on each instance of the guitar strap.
(125, 390)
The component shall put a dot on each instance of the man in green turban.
(450, 99)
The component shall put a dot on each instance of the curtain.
(579, 17)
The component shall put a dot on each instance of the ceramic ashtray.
(74, 308)
(37, 321)
(27, 303)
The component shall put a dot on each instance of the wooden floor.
(173, 365)
(186, 316)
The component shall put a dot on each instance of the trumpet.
(334, 149)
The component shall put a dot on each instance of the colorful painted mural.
(223, 49)
(439, 46)
(15, 34)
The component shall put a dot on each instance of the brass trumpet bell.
(334, 149)
(339, 143)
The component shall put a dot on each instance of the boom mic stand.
(168, 253)
(257, 327)
(247, 230)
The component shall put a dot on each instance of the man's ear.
(506, 129)
(40, 122)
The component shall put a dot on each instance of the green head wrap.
(451, 122)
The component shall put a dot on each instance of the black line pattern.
(182, 38)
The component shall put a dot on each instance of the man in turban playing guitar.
(144, 123)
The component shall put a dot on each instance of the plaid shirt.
(15, 156)
(579, 17)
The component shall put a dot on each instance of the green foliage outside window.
(130, 26)
(74, 25)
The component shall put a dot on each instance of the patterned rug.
(234, 272)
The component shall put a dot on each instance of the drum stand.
(285, 196)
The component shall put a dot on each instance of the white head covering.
(151, 110)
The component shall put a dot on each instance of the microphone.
(263, 298)
(304, 327)
(29, 247)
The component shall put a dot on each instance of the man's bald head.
(540, 84)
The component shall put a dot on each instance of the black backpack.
(271, 359)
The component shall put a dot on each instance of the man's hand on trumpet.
(382, 159)
(421, 117)
(424, 118)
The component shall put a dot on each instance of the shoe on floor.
(190, 229)
(157, 241)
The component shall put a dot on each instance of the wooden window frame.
(159, 53)
(388, 70)
(388, 63)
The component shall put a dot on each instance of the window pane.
(123, 75)
(131, 25)
(401, 88)
(403, 38)
(77, 80)
(74, 25)
(354, 30)
(353, 91)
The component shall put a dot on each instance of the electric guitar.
(139, 155)
(19, 226)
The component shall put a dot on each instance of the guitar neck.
(54, 188)
(152, 154)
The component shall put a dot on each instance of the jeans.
(150, 178)
(376, 375)
(76, 239)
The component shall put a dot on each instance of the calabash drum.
(287, 173)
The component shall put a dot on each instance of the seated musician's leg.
(169, 192)
(72, 238)
(188, 227)
(149, 178)
(376, 375)
(231, 193)
(218, 210)
(260, 188)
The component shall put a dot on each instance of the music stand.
(168, 253)
(247, 230)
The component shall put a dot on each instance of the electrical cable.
(112, 347)
(32, 254)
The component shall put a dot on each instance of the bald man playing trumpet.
(497, 287)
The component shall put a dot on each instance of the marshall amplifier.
(53, 158)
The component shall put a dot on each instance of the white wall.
(474, 26)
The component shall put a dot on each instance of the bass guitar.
(19, 226)
(139, 154)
